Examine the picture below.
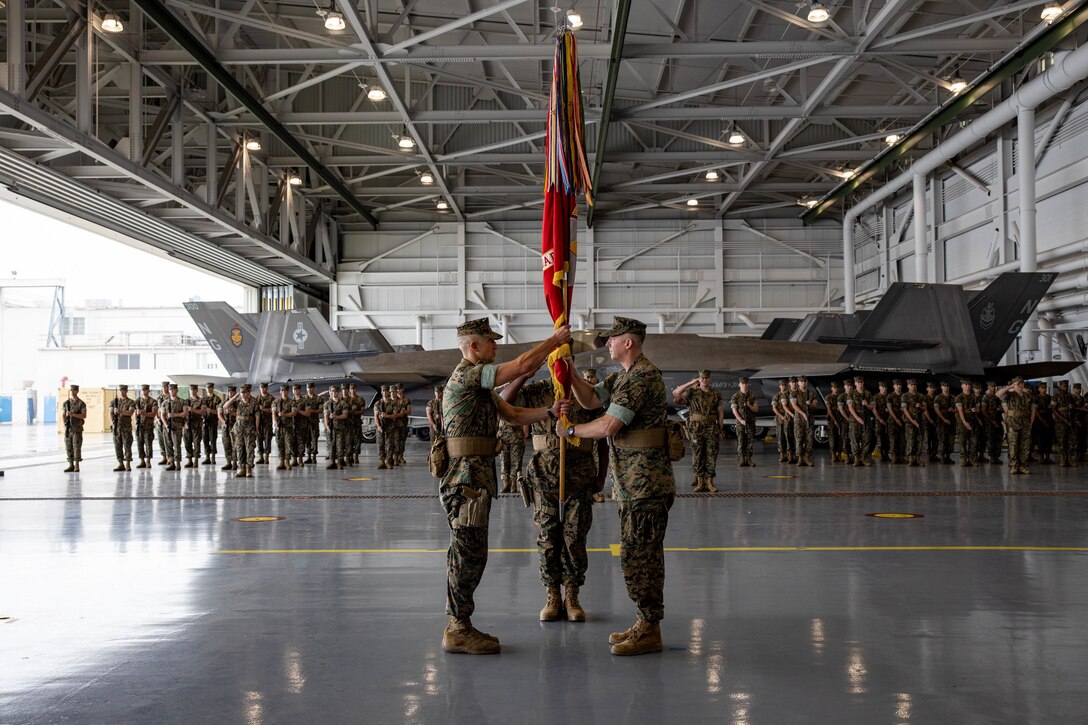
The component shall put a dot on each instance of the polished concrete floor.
(140, 598)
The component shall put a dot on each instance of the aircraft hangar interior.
(720, 360)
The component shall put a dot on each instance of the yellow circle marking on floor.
(257, 519)
(360, 478)
(893, 515)
(781, 476)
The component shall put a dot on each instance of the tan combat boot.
(708, 485)
(550, 612)
(460, 637)
(617, 637)
(382, 466)
(645, 638)
(575, 613)
(700, 484)
(751, 463)
(120, 466)
(128, 465)
(282, 466)
(71, 468)
(1063, 461)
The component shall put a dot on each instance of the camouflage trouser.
(643, 522)
(802, 433)
(211, 433)
(834, 438)
(315, 435)
(993, 436)
(791, 439)
(302, 436)
(782, 434)
(511, 457)
(193, 435)
(245, 442)
(145, 438)
(352, 436)
(337, 445)
(467, 555)
(1019, 444)
(1067, 442)
(228, 445)
(264, 436)
(980, 432)
(860, 439)
(73, 445)
(945, 440)
(285, 442)
(402, 440)
(122, 443)
(915, 440)
(384, 444)
(704, 450)
(745, 439)
(561, 544)
(965, 439)
(896, 442)
(880, 440)
(930, 440)
(174, 437)
(164, 443)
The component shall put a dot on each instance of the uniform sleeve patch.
(620, 413)
(487, 376)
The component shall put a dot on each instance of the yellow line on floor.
(614, 549)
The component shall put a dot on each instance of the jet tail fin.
(1000, 311)
(232, 335)
(920, 328)
(300, 345)
(780, 328)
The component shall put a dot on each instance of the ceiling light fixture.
(817, 13)
(693, 202)
(333, 19)
(112, 24)
(736, 138)
(956, 84)
(441, 205)
(1051, 12)
(426, 178)
(405, 142)
(892, 139)
(294, 179)
(574, 19)
(253, 144)
(376, 93)
(712, 175)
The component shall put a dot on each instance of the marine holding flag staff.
(470, 412)
(634, 422)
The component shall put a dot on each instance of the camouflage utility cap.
(123, 388)
(1016, 380)
(482, 326)
(624, 326)
(802, 378)
(704, 373)
(742, 380)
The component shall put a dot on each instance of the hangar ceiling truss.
(744, 106)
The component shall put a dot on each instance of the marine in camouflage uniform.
(228, 418)
(1019, 406)
(356, 408)
(247, 419)
(174, 412)
(265, 401)
(966, 420)
(859, 413)
(147, 414)
(894, 413)
(283, 416)
(74, 412)
(314, 406)
(634, 420)
(1080, 406)
(512, 456)
(337, 410)
(834, 422)
(804, 404)
(194, 430)
(993, 430)
(160, 427)
(121, 411)
(791, 438)
(843, 411)
(470, 410)
(561, 541)
(783, 421)
(706, 414)
(434, 411)
(1042, 432)
(744, 405)
(944, 413)
(211, 403)
(302, 425)
(404, 411)
(880, 424)
(1064, 425)
(383, 407)
(931, 422)
(913, 407)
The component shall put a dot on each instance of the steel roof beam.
(708, 156)
(619, 35)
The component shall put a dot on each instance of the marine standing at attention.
(1019, 405)
(228, 418)
(283, 417)
(470, 412)
(383, 422)
(147, 414)
(265, 401)
(174, 413)
(194, 427)
(744, 407)
(434, 411)
(74, 413)
(212, 401)
(783, 419)
(634, 421)
(804, 403)
(122, 409)
(705, 423)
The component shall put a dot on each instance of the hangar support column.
(921, 248)
(1029, 251)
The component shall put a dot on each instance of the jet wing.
(328, 358)
(812, 370)
(1031, 371)
(879, 345)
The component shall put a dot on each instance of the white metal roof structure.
(245, 135)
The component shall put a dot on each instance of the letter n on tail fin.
(1000, 311)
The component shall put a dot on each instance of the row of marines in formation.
(903, 425)
(248, 425)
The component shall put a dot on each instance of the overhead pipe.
(1068, 69)
(1064, 302)
(921, 248)
(1079, 248)
(1029, 249)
